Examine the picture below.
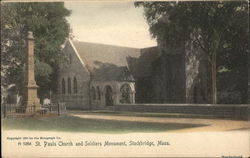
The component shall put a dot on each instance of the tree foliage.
(48, 23)
(213, 22)
(220, 29)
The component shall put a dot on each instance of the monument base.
(29, 107)
(31, 103)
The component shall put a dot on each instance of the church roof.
(91, 53)
(110, 72)
(108, 62)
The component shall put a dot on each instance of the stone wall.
(74, 68)
(240, 111)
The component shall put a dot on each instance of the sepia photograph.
(125, 78)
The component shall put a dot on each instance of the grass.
(76, 124)
(159, 115)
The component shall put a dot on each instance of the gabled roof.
(116, 55)
(107, 62)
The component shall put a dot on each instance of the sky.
(114, 23)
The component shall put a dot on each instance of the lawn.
(159, 115)
(75, 124)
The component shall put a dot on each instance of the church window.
(75, 85)
(69, 85)
(98, 93)
(63, 86)
(93, 93)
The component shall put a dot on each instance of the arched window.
(75, 85)
(98, 93)
(70, 59)
(63, 86)
(69, 85)
(93, 93)
(125, 94)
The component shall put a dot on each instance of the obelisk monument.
(30, 100)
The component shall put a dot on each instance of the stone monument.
(30, 102)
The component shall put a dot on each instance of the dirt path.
(212, 124)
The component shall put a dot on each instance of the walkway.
(212, 124)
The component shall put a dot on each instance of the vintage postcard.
(125, 79)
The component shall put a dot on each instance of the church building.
(96, 76)
(99, 76)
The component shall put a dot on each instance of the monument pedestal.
(31, 103)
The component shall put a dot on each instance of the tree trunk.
(248, 78)
(215, 46)
(214, 78)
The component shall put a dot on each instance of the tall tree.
(48, 23)
(216, 27)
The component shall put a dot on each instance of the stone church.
(98, 76)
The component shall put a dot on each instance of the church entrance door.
(108, 96)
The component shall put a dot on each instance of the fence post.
(4, 110)
(58, 108)
(34, 108)
(50, 107)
